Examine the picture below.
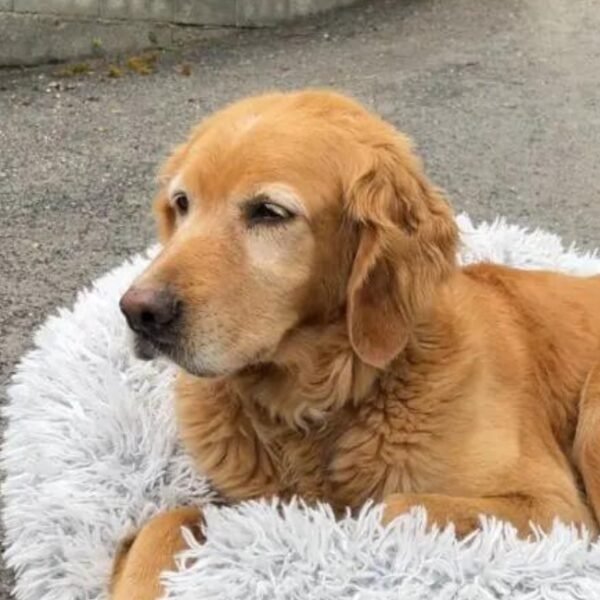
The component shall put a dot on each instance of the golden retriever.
(330, 347)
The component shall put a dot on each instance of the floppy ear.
(407, 242)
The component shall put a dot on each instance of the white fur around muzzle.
(91, 453)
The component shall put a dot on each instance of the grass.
(74, 70)
(143, 64)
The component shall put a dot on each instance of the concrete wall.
(37, 31)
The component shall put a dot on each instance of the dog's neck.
(314, 374)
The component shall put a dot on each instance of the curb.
(34, 32)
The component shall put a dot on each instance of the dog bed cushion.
(91, 453)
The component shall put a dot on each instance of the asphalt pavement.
(502, 98)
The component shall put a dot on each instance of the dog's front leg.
(464, 512)
(142, 558)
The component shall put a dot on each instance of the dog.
(331, 347)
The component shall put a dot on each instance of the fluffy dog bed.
(91, 452)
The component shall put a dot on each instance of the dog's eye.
(182, 204)
(263, 211)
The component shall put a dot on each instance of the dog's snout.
(151, 312)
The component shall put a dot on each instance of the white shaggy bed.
(91, 452)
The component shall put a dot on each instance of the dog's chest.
(360, 454)
(386, 450)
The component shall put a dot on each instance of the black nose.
(151, 312)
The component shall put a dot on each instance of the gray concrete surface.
(198, 12)
(37, 39)
(501, 96)
(34, 32)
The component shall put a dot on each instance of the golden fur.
(344, 356)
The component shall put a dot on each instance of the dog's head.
(284, 210)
